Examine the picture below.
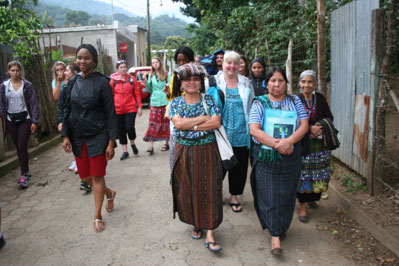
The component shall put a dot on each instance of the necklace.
(312, 108)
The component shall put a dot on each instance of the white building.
(111, 36)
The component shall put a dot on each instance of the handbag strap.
(204, 104)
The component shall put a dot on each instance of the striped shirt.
(257, 114)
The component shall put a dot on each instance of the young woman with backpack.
(127, 100)
(158, 128)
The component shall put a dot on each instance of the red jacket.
(125, 100)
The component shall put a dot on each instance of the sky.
(139, 8)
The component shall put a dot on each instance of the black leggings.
(20, 136)
(126, 125)
(238, 175)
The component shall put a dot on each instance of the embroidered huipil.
(179, 107)
(233, 118)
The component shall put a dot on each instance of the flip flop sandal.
(236, 205)
(207, 245)
(96, 228)
(198, 234)
(107, 208)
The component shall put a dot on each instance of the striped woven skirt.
(315, 173)
(274, 186)
(158, 128)
(197, 179)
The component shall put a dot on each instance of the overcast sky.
(139, 7)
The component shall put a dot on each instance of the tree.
(174, 42)
(20, 29)
(77, 18)
(202, 39)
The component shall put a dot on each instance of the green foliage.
(245, 26)
(19, 29)
(351, 185)
(201, 39)
(190, 9)
(77, 18)
(173, 42)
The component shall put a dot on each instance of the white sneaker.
(72, 167)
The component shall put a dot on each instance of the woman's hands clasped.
(284, 146)
(316, 131)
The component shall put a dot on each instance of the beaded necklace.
(310, 106)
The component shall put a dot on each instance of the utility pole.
(148, 35)
(112, 11)
(321, 47)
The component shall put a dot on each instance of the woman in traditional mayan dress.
(197, 174)
(315, 173)
(277, 167)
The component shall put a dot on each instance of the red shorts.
(94, 166)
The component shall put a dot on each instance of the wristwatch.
(195, 128)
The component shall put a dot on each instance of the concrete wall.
(141, 47)
(110, 36)
(75, 37)
(141, 44)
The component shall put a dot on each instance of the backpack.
(209, 65)
(213, 83)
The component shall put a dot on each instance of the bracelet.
(195, 128)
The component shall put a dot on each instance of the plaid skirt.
(158, 128)
(197, 178)
(274, 186)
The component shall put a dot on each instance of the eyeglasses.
(121, 61)
(192, 79)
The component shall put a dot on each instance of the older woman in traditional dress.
(277, 155)
(315, 173)
(197, 175)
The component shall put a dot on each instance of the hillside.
(90, 6)
(161, 27)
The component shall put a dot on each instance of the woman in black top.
(89, 127)
(257, 72)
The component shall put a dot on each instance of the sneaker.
(72, 167)
(124, 156)
(28, 175)
(23, 182)
(85, 186)
(2, 242)
(135, 150)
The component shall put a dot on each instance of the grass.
(351, 185)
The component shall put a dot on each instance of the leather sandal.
(97, 229)
(276, 251)
(165, 147)
(107, 208)
(150, 150)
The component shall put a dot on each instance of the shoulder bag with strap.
(229, 160)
